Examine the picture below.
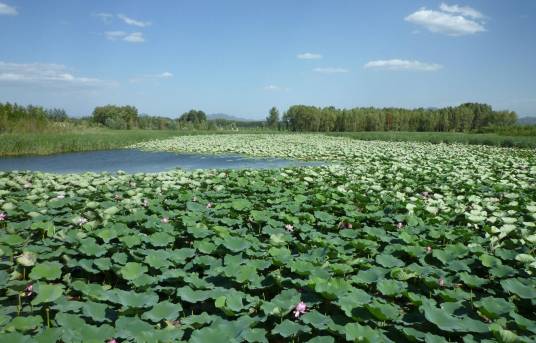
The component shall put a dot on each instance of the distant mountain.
(527, 120)
(226, 117)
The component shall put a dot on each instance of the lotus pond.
(397, 242)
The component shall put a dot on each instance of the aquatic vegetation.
(394, 242)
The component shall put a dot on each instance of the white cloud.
(463, 10)
(133, 22)
(331, 70)
(114, 35)
(45, 75)
(451, 20)
(105, 17)
(272, 88)
(7, 10)
(397, 64)
(309, 56)
(164, 75)
(134, 37)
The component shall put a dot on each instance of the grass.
(15, 144)
(490, 139)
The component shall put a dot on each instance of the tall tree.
(273, 118)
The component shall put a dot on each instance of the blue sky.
(241, 57)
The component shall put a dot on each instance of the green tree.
(273, 118)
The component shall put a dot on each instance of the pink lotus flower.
(165, 220)
(300, 309)
(28, 290)
(399, 225)
(428, 249)
(209, 205)
(2, 216)
(112, 341)
(289, 227)
(349, 226)
(441, 282)
(425, 194)
(82, 221)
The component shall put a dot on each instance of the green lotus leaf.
(95, 311)
(359, 333)
(494, 307)
(47, 293)
(288, 328)
(46, 270)
(27, 259)
(236, 244)
(517, 287)
(163, 311)
(132, 270)
(24, 324)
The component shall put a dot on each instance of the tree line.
(468, 117)
(464, 118)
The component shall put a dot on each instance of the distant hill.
(527, 121)
(226, 117)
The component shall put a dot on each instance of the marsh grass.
(14, 144)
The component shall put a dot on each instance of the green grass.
(491, 139)
(15, 144)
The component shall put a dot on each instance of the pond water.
(134, 161)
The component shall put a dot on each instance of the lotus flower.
(428, 249)
(289, 227)
(27, 185)
(399, 225)
(349, 225)
(28, 290)
(117, 197)
(165, 220)
(81, 221)
(145, 203)
(441, 282)
(209, 205)
(2, 216)
(60, 196)
(112, 341)
(300, 309)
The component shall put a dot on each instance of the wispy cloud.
(450, 20)
(331, 70)
(309, 56)
(133, 22)
(45, 75)
(159, 76)
(463, 10)
(272, 88)
(105, 17)
(133, 37)
(7, 10)
(398, 64)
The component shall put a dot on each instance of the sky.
(241, 57)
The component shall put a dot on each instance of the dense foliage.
(16, 118)
(463, 118)
(394, 242)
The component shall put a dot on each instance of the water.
(134, 161)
